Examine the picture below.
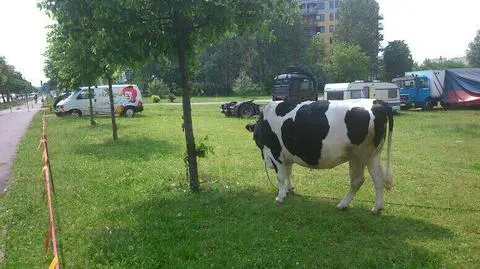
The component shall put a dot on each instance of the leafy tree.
(71, 63)
(360, 24)
(397, 59)
(315, 58)
(346, 63)
(473, 52)
(12, 81)
(244, 86)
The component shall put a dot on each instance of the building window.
(331, 5)
(337, 4)
(331, 29)
(320, 17)
(321, 6)
(321, 29)
(332, 16)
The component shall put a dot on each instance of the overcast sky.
(432, 28)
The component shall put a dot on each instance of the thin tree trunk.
(187, 117)
(112, 108)
(3, 97)
(90, 96)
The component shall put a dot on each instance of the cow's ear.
(250, 127)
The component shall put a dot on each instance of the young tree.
(397, 59)
(346, 63)
(473, 52)
(360, 24)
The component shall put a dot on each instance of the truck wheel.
(246, 110)
(428, 105)
(75, 113)
(129, 112)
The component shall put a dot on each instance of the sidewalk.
(13, 125)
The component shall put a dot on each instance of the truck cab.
(296, 83)
(415, 91)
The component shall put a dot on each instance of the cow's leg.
(288, 177)
(356, 180)
(376, 172)
(283, 174)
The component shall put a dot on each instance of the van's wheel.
(129, 112)
(246, 111)
(75, 113)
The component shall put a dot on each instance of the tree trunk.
(112, 107)
(90, 96)
(3, 97)
(187, 117)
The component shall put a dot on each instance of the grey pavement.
(13, 124)
(208, 103)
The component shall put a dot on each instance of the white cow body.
(324, 134)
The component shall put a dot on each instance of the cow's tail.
(388, 175)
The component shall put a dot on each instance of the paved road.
(13, 125)
(208, 103)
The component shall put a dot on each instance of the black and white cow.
(324, 134)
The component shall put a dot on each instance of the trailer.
(385, 91)
(242, 109)
(461, 88)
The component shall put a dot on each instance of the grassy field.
(126, 204)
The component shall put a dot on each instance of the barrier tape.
(50, 237)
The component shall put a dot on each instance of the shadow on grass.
(245, 229)
(142, 147)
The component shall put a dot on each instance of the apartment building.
(320, 17)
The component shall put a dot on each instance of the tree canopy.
(397, 59)
(473, 52)
(346, 63)
(360, 24)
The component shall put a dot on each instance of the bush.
(159, 88)
(244, 86)
(155, 98)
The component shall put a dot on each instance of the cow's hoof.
(342, 207)
(279, 201)
(291, 190)
(377, 211)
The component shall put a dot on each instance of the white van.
(127, 101)
(385, 91)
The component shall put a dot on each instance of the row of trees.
(95, 38)
(259, 56)
(12, 82)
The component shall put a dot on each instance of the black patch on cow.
(304, 136)
(382, 112)
(286, 106)
(357, 120)
(264, 136)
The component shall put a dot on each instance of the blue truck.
(420, 89)
(456, 87)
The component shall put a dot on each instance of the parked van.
(385, 91)
(127, 101)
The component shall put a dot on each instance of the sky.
(431, 28)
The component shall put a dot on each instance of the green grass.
(126, 204)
